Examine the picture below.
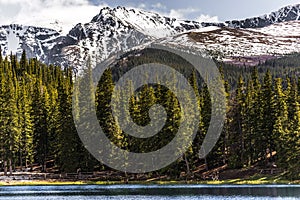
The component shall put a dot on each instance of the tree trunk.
(188, 171)
(206, 165)
(126, 178)
(10, 166)
(5, 168)
(21, 161)
(242, 143)
(44, 167)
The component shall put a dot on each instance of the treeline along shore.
(261, 133)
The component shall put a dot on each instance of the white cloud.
(207, 18)
(182, 13)
(65, 14)
(159, 6)
(46, 13)
(142, 6)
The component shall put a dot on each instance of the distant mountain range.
(285, 14)
(115, 29)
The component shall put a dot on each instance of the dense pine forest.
(262, 126)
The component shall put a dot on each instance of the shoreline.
(261, 181)
(217, 176)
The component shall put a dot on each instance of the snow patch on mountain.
(12, 42)
(207, 29)
(34, 40)
(227, 43)
(285, 29)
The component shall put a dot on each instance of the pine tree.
(281, 122)
(69, 142)
(103, 106)
(290, 139)
(200, 133)
(266, 141)
(250, 121)
(12, 129)
(26, 127)
(86, 102)
(237, 133)
(23, 64)
(40, 114)
(256, 117)
(292, 145)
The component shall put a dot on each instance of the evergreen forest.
(262, 124)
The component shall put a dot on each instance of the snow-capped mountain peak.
(150, 23)
(116, 29)
(121, 29)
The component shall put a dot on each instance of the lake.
(151, 192)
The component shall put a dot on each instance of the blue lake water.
(151, 192)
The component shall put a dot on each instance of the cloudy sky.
(70, 12)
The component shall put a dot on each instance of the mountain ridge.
(120, 29)
(284, 14)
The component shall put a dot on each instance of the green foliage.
(262, 124)
(36, 123)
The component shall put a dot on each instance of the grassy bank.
(255, 180)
